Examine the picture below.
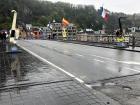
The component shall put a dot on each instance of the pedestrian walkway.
(25, 80)
(135, 49)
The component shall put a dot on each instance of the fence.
(103, 39)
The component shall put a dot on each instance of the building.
(56, 30)
(71, 31)
(134, 30)
(28, 26)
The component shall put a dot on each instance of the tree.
(41, 12)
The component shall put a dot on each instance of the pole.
(12, 36)
(120, 25)
(14, 20)
(13, 47)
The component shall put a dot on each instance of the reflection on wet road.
(15, 67)
(25, 80)
(23, 68)
(88, 63)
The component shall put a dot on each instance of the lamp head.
(13, 11)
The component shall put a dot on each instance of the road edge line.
(52, 64)
(98, 94)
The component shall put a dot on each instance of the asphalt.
(104, 45)
(126, 90)
(88, 63)
(26, 80)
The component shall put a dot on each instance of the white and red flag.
(105, 14)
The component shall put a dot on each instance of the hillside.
(41, 12)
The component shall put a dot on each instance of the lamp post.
(13, 47)
(12, 36)
(120, 24)
(14, 20)
(120, 36)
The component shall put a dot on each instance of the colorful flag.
(104, 14)
(65, 22)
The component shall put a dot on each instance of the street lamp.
(13, 47)
(12, 36)
(120, 24)
(120, 37)
(14, 19)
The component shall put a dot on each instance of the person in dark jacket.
(0, 36)
(4, 36)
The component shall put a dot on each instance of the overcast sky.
(126, 6)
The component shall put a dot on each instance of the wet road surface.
(25, 80)
(88, 63)
(20, 68)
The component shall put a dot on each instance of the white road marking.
(89, 86)
(79, 55)
(52, 64)
(69, 74)
(65, 51)
(120, 62)
(105, 58)
(133, 69)
(98, 60)
(125, 62)
(130, 62)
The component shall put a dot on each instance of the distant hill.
(41, 12)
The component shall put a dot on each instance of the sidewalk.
(25, 80)
(136, 49)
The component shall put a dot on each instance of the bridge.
(46, 67)
(88, 63)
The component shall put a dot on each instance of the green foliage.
(39, 12)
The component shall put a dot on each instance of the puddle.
(127, 88)
(103, 84)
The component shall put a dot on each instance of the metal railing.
(102, 39)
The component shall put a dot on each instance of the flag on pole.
(50, 26)
(65, 22)
(104, 14)
(100, 10)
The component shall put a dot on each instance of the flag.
(50, 26)
(104, 14)
(65, 22)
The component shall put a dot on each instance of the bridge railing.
(93, 38)
(96, 39)
(136, 40)
(103, 39)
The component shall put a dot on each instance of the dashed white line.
(133, 69)
(135, 63)
(105, 58)
(98, 60)
(79, 55)
(69, 74)
(125, 62)
(52, 64)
